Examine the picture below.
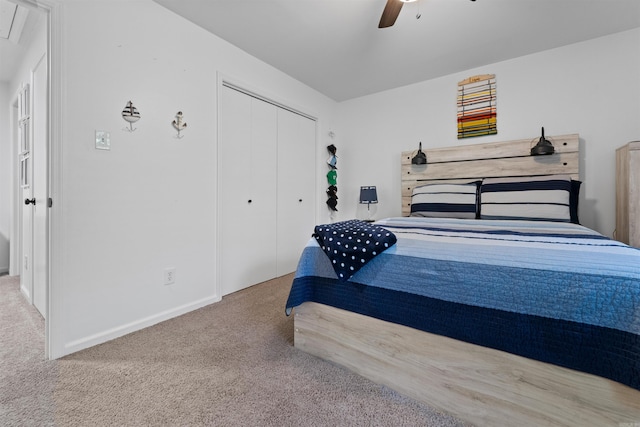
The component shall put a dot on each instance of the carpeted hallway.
(231, 363)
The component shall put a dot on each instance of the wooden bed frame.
(476, 384)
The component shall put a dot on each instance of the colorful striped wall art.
(477, 106)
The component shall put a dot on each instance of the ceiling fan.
(391, 11)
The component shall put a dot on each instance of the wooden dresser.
(628, 194)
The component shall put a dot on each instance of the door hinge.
(50, 202)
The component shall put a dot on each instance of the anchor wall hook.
(179, 124)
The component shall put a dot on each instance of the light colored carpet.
(229, 364)
(27, 379)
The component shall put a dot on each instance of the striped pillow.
(445, 201)
(543, 198)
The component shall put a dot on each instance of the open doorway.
(28, 82)
(30, 186)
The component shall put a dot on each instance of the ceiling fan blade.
(390, 13)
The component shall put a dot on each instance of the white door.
(247, 197)
(25, 162)
(26, 271)
(296, 187)
(39, 187)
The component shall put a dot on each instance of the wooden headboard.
(465, 163)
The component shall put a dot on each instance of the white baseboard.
(25, 292)
(108, 335)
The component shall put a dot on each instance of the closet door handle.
(249, 201)
(300, 200)
(32, 201)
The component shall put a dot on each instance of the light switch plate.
(103, 140)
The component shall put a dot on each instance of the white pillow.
(543, 198)
(445, 201)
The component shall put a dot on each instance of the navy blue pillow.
(574, 197)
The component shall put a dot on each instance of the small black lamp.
(368, 195)
(543, 147)
(420, 158)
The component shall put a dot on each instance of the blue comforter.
(555, 292)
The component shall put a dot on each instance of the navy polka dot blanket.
(351, 244)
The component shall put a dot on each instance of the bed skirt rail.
(476, 384)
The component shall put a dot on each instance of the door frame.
(52, 10)
(39, 185)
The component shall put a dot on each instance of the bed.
(504, 314)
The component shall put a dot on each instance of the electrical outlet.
(169, 276)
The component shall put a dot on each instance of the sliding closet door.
(296, 187)
(247, 191)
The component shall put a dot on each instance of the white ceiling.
(7, 16)
(19, 23)
(335, 46)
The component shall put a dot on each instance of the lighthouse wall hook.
(131, 115)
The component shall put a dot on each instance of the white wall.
(590, 88)
(148, 203)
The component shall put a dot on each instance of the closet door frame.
(261, 94)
